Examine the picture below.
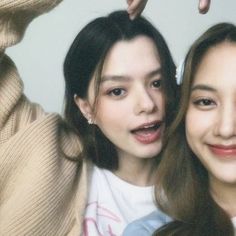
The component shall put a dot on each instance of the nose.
(226, 122)
(144, 102)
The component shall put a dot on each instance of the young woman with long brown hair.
(196, 179)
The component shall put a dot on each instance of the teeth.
(148, 126)
(151, 126)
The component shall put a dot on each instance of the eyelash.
(155, 84)
(112, 92)
(204, 103)
(159, 83)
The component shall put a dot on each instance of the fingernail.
(202, 6)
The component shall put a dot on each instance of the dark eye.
(156, 83)
(205, 103)
(117, 92)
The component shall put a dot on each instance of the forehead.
(218, 66)
(132, 57)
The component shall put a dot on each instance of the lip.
(148, 133)
(156, 122)
(223, 150)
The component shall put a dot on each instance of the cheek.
(110, 113)
(192, 126)
(163, 105)
(110, 123)
(159, 101)
(187, 129)
(198, 126)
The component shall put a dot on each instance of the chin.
(151, 154)
(229, 180)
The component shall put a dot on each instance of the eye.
(156, 83)
(205, 103)
(116, 92)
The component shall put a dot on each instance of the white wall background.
(39, 57)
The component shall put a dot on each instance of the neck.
(224, 195)
(137, 171)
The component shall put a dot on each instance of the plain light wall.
(39, 57)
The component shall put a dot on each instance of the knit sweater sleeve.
(42, 191)
(40, 184)
(15, 16)
(16, 111)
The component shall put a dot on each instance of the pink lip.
(223, 151)
(148, 133)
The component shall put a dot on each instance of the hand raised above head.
(136, 7)
(204, 6)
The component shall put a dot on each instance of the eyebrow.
(115, 78)
(154, 73)
(127, 78)
(203, 87)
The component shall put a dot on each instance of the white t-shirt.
(113, 203)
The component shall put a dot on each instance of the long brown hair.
(182, 189)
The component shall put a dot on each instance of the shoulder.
(146, 225)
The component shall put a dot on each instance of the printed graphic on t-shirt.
(100, 221)
(114, 203)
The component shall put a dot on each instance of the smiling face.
(130, 108)
(211, 114)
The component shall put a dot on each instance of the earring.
(90, 121)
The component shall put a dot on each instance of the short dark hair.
(85, 58)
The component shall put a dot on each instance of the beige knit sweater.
(43, 185)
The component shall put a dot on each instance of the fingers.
(204, 6)
(135, 7)
(129, 2)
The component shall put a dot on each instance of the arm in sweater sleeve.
(42, 191)
(39, 183)
(15, 15)
(15, 110)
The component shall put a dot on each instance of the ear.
(84, 106)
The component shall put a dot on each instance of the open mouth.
(148, 133)
(147, 128)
